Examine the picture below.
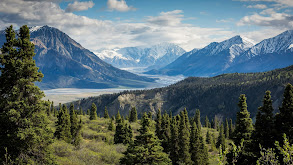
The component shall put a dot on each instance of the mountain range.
(65, 63)
(153, 57)
(237, 54)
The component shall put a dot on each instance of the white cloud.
(119, 6)
(269, 18)
(171, 18)
(79, 6)
(258, 6)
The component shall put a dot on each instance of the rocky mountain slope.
(65, 63)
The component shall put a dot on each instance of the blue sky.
(99, 24)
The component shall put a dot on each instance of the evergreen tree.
(75, 126)
(111, 126)
(186, 118)
(133, 115)
(198, 150)
(284, 120)
(244, 126)
(146, 148)
(120, 131)
(264, 124)
(88, 112)
(174, 143)
(166, 132)
(231, 128)
(129, 134)
(106, 115)
(23, 122)
(150, 115)
(63, 125)
(77, 135)
(158, 124)
(184, 156)
(207, 122)
(221, 138)
(71, 109)
(93, 112)
(208, 137)
(197, 119)
(52, 108)
(226, 129)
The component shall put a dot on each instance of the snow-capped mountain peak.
(35, 28)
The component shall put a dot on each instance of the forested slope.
(213, 96)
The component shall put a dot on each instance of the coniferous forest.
(34, 131)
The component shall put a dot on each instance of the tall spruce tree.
(93, 112)
(197, 119)
(111, 126)
(231, 129)
(284, 120)
(106, 115)
(133, 115)
(198, 150)
(221, 139)
(207, 122)
(244, 126)
(63, 125)
(184, 155)
(264, 124)
(208, 137)
(158, 124)
(52, 108)
(23, 122)
(226, 129)
(75, 126)
(174, 142)
(146, 149)
(166, 132)
(120, 131)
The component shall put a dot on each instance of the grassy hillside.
(213, 96)
(97, 146)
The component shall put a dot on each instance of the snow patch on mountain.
(35, 28)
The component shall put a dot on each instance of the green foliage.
(184, 138)
(235, 153)
(106, 115)
(166, 132)
(221, 138)
(63, 125)
(133, 115)
(93, 112)
(284, 120)
(111, 126)
(268, 156)
(197, 119)
(158, 124)
(226, 129)
(174, 142)
(198, 150)
(244, 126)
(264, 133)
(23, 119)
(146, 148)
(207, 122)
(286, 150)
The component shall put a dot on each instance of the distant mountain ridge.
(237, 54)
(66, 64)
(153, 57)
